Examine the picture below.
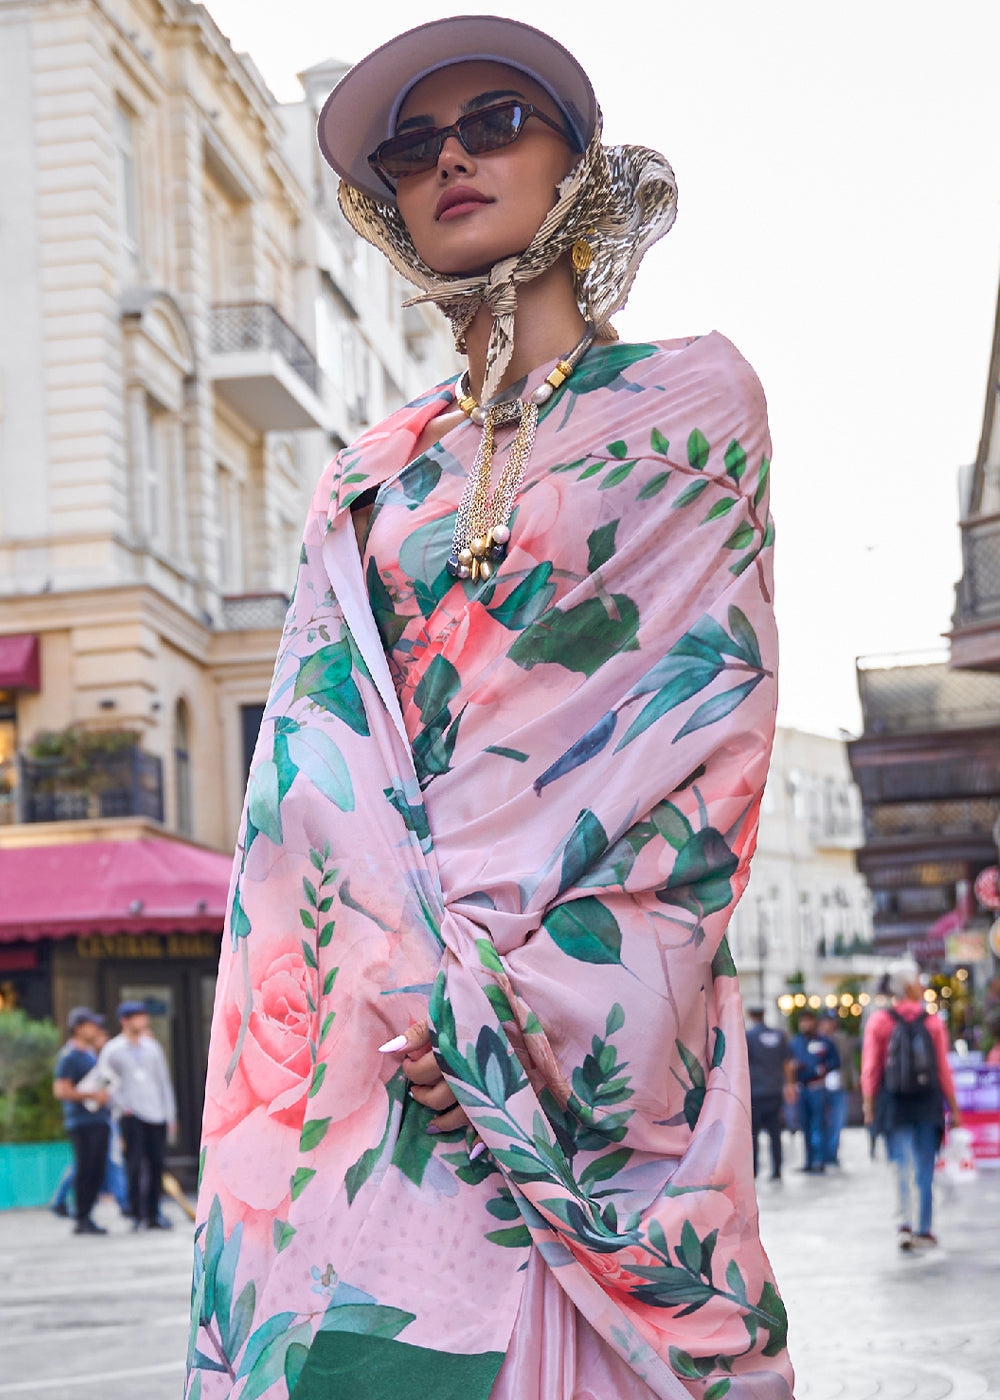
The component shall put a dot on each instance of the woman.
(476, 1121)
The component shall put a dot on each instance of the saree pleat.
(524, 809)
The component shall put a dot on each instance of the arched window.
(182, 770)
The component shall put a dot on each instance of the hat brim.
(358, 114)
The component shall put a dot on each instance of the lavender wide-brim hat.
(363, 107)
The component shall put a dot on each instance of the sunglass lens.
(407, 155)
(489, 130)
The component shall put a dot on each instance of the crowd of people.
(118, 1111)
(803, 1082)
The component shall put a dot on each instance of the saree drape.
(524, 808)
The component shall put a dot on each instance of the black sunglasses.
(479, 132)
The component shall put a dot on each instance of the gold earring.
(581, 256)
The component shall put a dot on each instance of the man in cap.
(85, 1113)
(144, 1097)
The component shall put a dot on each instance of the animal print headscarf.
(620, 199)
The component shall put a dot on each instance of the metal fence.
(977, 597)
(129, 784)
(257, 325)
(246, 612)
(914, 698)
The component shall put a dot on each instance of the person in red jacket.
(914, 1116)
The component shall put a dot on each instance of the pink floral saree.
(526, 808)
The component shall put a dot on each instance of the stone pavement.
(105, 1318)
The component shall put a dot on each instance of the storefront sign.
(148, 945)
(977, 1088)
(969, 946)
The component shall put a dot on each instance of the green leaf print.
(526, 603)
(722, 507)
(263, 807)
(742, 536)
(515, 1237)
(295, 1360)
(601, 545)
(313, 1133)
(658, 443)
(283, 1234)
(356, 1176)
(697, 450)
(414, 1146)
(589, 744)
(723, 964)
(653, 486)
(586, 843)
(325, 679)
(702, 870)
(690, 494)
(765, 467)
(736, 460)
(618, 449)
(718, 1389)
(616, 476)
(438, 686)
(419, 479)
(585, 929)
(690, 676)
(391, 625)
(718, 707)
(314, 754)
(270, 1364)
(582, 638)
(366, 1319)
(743, 633)
(602, 365)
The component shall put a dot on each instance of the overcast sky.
(839, 219)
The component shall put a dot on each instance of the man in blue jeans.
(85, 1113)
(815, 1056)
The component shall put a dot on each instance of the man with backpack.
(904, 1066)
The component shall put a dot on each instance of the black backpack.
(911, 1062)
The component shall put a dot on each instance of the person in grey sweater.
(144, 1097)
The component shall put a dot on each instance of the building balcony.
(975, 635)
(253, 612)
(263, 369)
(128, 784)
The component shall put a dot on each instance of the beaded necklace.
(482, 530)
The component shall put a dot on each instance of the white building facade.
(806, 911)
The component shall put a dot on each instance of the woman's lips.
(459, 200)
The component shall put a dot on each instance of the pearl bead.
(542, 394)
(500, 533)
(463, 571)
(478, 546)
(465, 557)
(485, 570)
(478, 416)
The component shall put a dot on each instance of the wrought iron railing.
(257, 325)
(977, 596)
(128, 784)
(246, 612)
(909, 699)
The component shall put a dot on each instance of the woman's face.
(509, 190)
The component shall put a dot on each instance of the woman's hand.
(427, 1084)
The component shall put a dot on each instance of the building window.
(182, 770)
(250, 721)
(230, 530)
(8, 758)
(127, 190)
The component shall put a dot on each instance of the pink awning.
(144, 886)
(19, 668)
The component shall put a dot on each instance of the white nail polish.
(477, 1151)
(398, 1042)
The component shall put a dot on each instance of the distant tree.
(27, 1053)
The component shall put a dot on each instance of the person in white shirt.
(144, 1097)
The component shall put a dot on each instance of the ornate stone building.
(190, 332)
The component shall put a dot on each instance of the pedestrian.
(815, 1056)
(146, 1107)
(114, 1183)
(771, 1084)
(837, 1084)
(904, 1066)
(86, 1117)
(477, 1080)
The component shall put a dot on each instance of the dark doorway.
(180, 998)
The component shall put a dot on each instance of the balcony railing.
(977, 596)
(256, 325)
(248, 612)
(128, 784)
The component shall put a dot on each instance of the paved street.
(105, 1318)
